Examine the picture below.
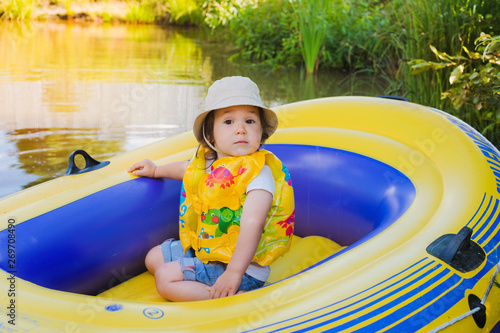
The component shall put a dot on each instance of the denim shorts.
(195, 270)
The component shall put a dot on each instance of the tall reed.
(313, 28)
(17, 9)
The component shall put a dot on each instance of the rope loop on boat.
(474, 310)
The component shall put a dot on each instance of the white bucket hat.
(231, 91)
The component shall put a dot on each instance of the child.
(237, 209)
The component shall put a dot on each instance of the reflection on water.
(112, 88)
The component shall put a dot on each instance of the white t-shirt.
(263, 181)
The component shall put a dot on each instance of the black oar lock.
(90, 163)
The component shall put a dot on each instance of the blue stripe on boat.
(417, 275)
(491, 228)
(481, 219)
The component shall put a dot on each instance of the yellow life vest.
(211, 206)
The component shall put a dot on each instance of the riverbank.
(395, 39)
(87, 11)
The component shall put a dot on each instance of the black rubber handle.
(458, 250)
(90, 163)
(459, 242)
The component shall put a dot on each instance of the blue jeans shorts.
(195, 270)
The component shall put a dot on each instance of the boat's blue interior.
(101, 240)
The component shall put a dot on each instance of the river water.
(113, 88)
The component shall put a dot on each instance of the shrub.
(447, 25)
(266, 34)
(359, 36)
(218, 13)
(185, 12)
(474, 84)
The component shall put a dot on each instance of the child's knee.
(166, 275)
(154, 259)
(170, 271)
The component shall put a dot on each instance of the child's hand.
(144, 168)
(226, 285)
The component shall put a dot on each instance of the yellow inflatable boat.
(397, 218)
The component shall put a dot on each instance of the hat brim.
(270, 115)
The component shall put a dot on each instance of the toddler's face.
(237, 130)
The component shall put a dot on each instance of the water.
(113, 88)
